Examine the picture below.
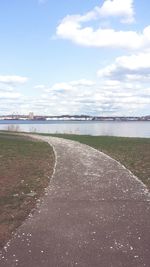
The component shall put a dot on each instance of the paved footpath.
(95, 213)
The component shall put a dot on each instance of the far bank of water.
(108, 128)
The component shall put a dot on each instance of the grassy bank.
(134, 153)
(25, 169)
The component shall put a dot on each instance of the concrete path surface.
(95, 213)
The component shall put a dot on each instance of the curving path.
(95, 213)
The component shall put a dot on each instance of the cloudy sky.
(75, 57)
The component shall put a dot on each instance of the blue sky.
(75, 57)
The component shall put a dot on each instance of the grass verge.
(25, 169)
(133, 153)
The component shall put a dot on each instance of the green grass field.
(25, 169)
(133, 153)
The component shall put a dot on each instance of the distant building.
(31, 116)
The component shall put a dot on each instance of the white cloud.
(110, 8)
(133, 67)
(61, 87)
(120, 8)
(7, 90)
(9, 95)
(12, 79)
(10, 98)
(83, 82)
(39, 86)
(68, 86)
(73, 28)
(104, 97)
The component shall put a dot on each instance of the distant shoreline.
(75, 120)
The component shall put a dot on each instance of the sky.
(75, 57)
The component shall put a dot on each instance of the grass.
(25, 169)
(134, 153)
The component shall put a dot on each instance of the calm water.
(129, 129)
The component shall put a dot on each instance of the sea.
(95, 128)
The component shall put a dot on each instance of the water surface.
(110, 128)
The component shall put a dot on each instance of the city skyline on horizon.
(32, 115)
